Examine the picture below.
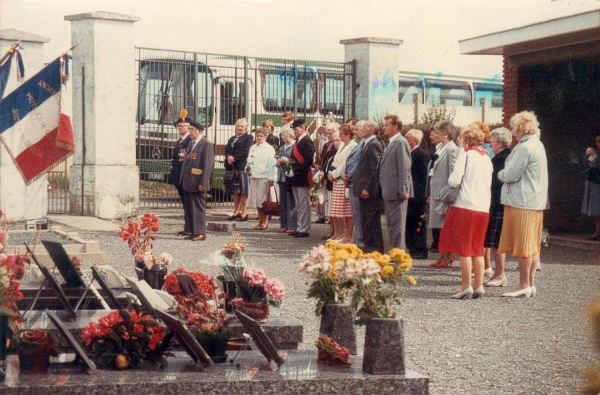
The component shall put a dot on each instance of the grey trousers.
(302, 199)
(194, 209)
(395, 215)
(354, 204)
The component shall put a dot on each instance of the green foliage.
(437, 112)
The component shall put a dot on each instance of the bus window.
(452, 93)
(278, 85)
(332, 94)
(233, 101)
(166, 88)
(492, 93)
(407, 87)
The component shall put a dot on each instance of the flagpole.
(10, 52)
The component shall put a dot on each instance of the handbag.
(228, 177)
(448, 194)
(271, 205)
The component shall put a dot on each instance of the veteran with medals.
(300, 176)
(195, 181)
(182, 124)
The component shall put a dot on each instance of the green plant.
(436, 112)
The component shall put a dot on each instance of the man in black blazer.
(416, 226)
(195, 181)
(301, 181)
(182, 124)
(366, 187)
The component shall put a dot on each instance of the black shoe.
(419, 256)
(233, 217)
(183, 233)
(292, 234)
(320, 221)
(434, 249)
(242, 219)
(301, 234)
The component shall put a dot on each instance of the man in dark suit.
(396, 181)
(366, 187)
(195, 181)
(301, 181)
(416, 226)
(182, 124)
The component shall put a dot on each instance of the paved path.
(489, 346)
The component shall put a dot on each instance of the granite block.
(299, 374)
(337, 322)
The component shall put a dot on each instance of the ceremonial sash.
(300, 159)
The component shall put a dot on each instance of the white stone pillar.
(376, 75)
(104, 181)
(21, 201)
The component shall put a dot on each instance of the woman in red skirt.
(467, 220)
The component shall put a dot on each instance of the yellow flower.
(387, 271)
(411, 280)
(383, 260)
(400, 255)
(332, 274)
(406, 266)
(342, 255)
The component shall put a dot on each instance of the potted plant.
(334, 268)
(123, 339)
(233, 253)
(256, 292)
(140, 237)
(376, 297)
(35, 349)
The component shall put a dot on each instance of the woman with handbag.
(467, 219)
(591, 195)
(288, 216)
(261, 166)
(440, 168)
(235, 179)
(341, 210)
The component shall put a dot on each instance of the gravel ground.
(489, 346)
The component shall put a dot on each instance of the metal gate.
(217, 90)
(58, 188)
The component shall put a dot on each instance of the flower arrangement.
(124, 338)
(254, 286)
(330, 352)
(38, 339)
(12, 269)
(206, 286)
(334, 268)
(140, 238)
(234, 249)
(378, 292)
(203, 315)
(591, 373)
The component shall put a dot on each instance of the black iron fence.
(217, 90)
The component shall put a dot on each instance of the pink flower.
(255, 276)
(166, 258)
(275, 289)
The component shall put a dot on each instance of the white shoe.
(487, 273)
(464, 294)
(522, 293)
(478, 293)
(533, 291)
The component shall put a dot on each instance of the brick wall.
(516, 95)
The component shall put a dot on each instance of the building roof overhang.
(571, 31)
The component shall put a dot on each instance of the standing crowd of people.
(476, 192)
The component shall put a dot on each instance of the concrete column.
(21, 201)
(104, 178)
(376, 75)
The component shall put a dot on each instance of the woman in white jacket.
(341, 211)
(261, 167)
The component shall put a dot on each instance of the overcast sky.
(296, 29)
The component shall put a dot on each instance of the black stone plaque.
(63, 263)
(110, 295)
(260, 337)
(185, 337)
(81, 355)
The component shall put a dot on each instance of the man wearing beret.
(195, 181)
(182, 124)
(301, 177)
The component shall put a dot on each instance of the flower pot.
(337, 322)
(215, 344)
(34, 360)
(155, 277)
(140, 267)
(384, 346)
(259, 312)
(230, 289)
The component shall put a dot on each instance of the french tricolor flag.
(35, 125)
